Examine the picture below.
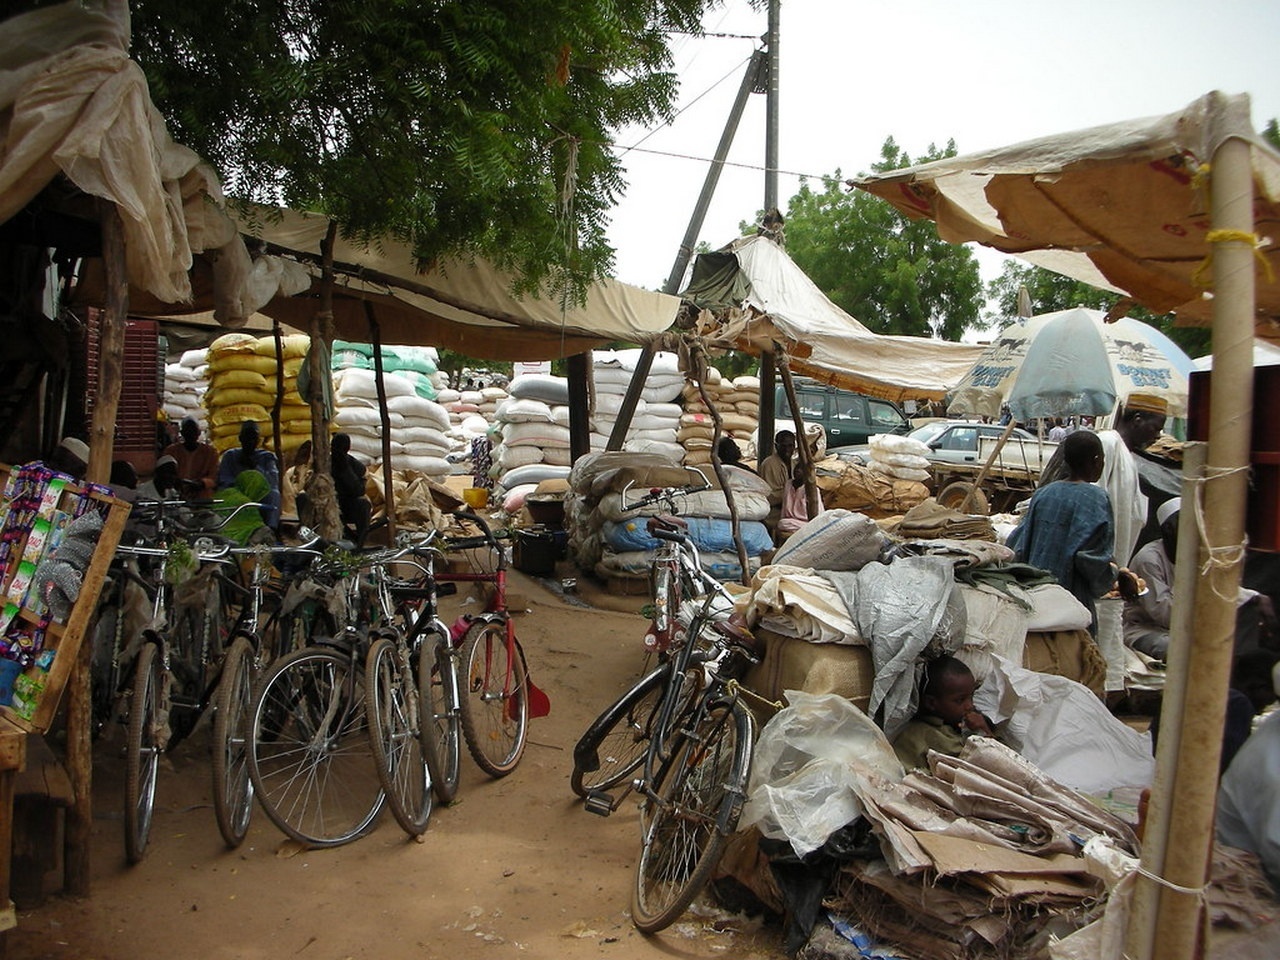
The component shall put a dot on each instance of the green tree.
(892, 273)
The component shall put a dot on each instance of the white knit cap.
(1168, 509)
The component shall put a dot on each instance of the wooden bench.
(13, 758)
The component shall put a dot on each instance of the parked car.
(949, 441)
(846, 417)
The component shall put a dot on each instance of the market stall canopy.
(74, 104)
(1124, 207)
(757, 297)
(461, 304)
(1265, 354)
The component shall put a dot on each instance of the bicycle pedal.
(599, 803)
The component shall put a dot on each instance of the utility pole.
(768, 362)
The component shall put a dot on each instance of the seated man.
(1249, 797)
(348, 486)
(164, 483)
(1146, 619)
(248, 456)
(946, 717)
(197, 462)
(776, 470)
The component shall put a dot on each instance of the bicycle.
(698, 738)
(251, 646)
(498, 698)
(181, 646)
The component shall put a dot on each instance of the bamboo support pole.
(388, 491)
(1222, 500)
(812, 500)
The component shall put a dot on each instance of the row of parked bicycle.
(337, 688)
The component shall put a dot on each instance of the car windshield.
(929, 432)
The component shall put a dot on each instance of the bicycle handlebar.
(666, 495)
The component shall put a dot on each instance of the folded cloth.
(930, 520)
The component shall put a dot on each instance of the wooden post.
(768, 408)
(79, 823)
(388, 494)
(986, 467)
(278, 406)
(1221, 501)
(579, 414)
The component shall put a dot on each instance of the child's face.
(954, 702)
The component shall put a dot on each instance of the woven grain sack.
(431, 466)
(535, 434)
(905, 460)
(737, 422)
(416, 408)
(364, 383)
(794, 664)
(893, 443)
(557, 456)
(301, 426)
(294, 345)
(230, 396)
(898, 473)
(238, 413)
(834, 540)
(233, 378)
(232, 343)
(698, 432)
(508, 458)
(516, 410)
(265, 366)
(291, 412)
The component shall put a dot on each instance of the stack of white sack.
(738, 403)
(418, 365)
(532, 436)
(903, 458)
(185, 383)
(608, 536)
(419, 433)
(656, 420)
(244, 384)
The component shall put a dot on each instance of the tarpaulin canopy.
(758, 297)
(464, 305)
(1124, 206)
(73, 104)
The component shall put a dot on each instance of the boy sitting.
(946, 716)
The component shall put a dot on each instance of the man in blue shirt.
(247, 456)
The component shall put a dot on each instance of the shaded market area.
(301, 568)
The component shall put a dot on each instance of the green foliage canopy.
(893, 274)
(458, 126)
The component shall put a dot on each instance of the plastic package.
(805, 771)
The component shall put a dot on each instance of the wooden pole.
(1222, 503)
(986, 467)
(579, 413)
(1155, 837)
(278, 405)
(768, 408)
(811, 497)
(78, 841)
(388, 494)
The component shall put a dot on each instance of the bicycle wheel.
(391, 701)
(614, 746)
(441, 733)
(142, 751)
(194, 642)
(309, 756)
(495, 700)
(232, 788)
(699, 800)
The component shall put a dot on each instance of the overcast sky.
(986, 73)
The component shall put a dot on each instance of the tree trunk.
(319, 488)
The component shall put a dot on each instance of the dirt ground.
(514, 868)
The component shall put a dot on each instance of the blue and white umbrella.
(1071, 363)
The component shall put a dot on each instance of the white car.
(949, 441)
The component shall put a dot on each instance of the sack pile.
(738, 402)
(656, 421)
(419, 432)
(608, 536)
(418, 365)
(243, 385)
(902, 458)
(185, 384)
(532, 436)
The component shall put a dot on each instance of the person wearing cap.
(71, 457)
(164, 483)
(248, 456)
(197, 462)
(1146, 619)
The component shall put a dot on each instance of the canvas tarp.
(1123, 206)
(754, 296)
(464, 305)
(74, 104)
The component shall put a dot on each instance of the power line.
(686, 107)
(727, 163)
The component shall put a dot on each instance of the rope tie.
(1197, 892)
(1219, 557)
(1200, 277)
(737, 689)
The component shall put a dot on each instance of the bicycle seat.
(736, 632)
(671, 523)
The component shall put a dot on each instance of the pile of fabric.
(185, 383)
(244, 384)
(656, 420)
(608, 537)
(850, 486)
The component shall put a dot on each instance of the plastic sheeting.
(1063, 728)
(808, 766)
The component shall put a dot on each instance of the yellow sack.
(232, 343)
(265, 366)
(297, 426)
(291, 412)
(294, 345)
(292, 365)
(223, 431)
(233, 378)
(237, 413)
(230, 396)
